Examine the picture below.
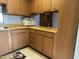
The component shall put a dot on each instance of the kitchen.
(47, 27)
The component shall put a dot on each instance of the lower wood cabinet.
(32, 42)
(42, 41)
(13, 39)
(19, 38)
(48, 46)
(38, 42)
(32, 39)
(4, 42)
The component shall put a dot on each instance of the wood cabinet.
(40, 6)
(18, 7)
(2, 1)
(38, 42)
(4, 42)
(47, 5)
(37, 6)
(48, 46)
(42, 41)
(13, 7)
(19, 38)
(24, 9)
(33, 6)
(32, 40)
(56, 5)
(35, 39)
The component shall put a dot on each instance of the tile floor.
(28, 52)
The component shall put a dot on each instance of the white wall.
(77, 46)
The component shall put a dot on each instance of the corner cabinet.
(40, 6)
(56, 5)
(36, 6)
(4, 42)
(47, 4)
(42, 41)
(17, 7)
(2, 1)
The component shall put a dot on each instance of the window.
(1, 15)
(1, 18)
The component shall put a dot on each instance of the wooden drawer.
(40, 32)
(1, 38)
(19, 31)
(49, 34)
(3, 32)
(20, 35)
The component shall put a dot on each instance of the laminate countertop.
(11, 28)
(48, 29)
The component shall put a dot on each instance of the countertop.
(12, 27)
(49, 29)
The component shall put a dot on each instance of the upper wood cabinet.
(36, 6)
(55, 5)
(24, 9)
(33, 6)
(2, 1)
(17, 7)
(47, 4)
(13, 7)
(40, 6)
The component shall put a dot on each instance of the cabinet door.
(13, 7)
(56, 5)
(47, 5)
(24, 7)
(32, 42)
(19, 39)
(48, 46)
(34, 6)
(37, 6)
(3, 1)
(4, 43)
(38, 43)
(32, 39)
(40, 6)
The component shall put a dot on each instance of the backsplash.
(11, 19)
